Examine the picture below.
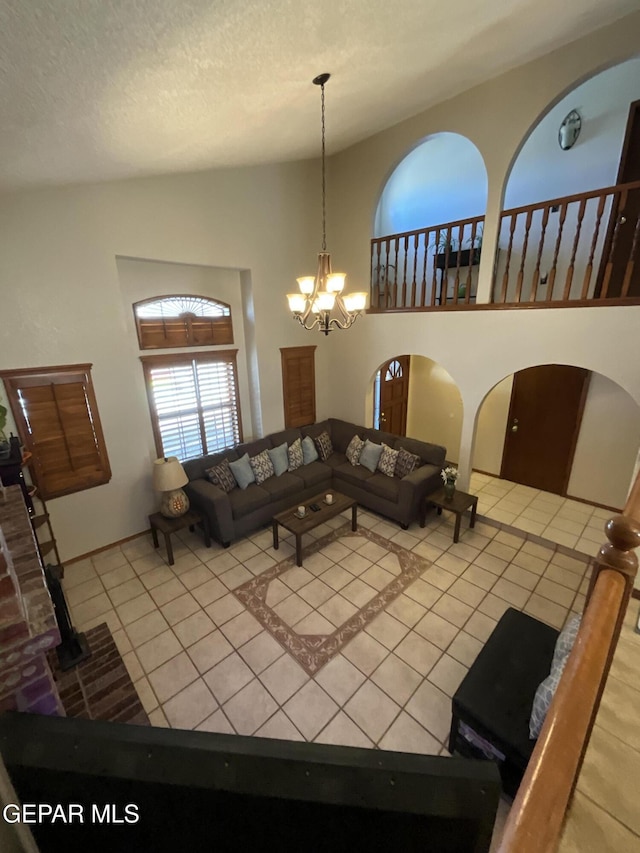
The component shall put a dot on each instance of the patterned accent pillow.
(262, 466)
(406, 463)
(354, 449)
(323, 445)
(543, 697)
(566, 639)
(295, 455)
(222, 476)
(388, 459)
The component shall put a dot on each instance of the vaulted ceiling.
(102, 89)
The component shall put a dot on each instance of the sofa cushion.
(387, 461)
(354, 450)
(262, 466)
(341, 434)
(384, 486)
(296, 457)
(336, 459)
(314, 473)
(252, 448)
(284, 486)
(432, 453)
(378, 436)
(242, 471)
(244, 501)
(314, 430)
(323, 446)
(286, 435)
(406, 463)
(222, 476)
(370, 455)
(309, 452)
(279, 458)
(357, 475)
(195, 469)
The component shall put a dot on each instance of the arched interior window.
(182, 321)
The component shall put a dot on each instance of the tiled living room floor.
(200, 659)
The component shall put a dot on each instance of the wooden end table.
(459, 503)
(291, 521)
(167, 526)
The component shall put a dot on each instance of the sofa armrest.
(416, 485)
(214, 503)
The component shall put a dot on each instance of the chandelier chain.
(324, 198)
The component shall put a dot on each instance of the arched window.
(394, 371)
(182, 321)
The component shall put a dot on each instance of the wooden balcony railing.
(426, 268)
(579, 249)
(538, 812)
(576, 250)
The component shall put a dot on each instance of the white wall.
(434, 411)
(63, 302)
(491, 429)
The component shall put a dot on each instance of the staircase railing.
(539, 809)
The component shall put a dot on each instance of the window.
(194, 403)
(56, 414)
(182, 321)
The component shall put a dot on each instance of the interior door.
(394, 395)
(619, 273)
(544, 420)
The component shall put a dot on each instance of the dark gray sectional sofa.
(243, 510)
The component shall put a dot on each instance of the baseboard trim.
(106, 547)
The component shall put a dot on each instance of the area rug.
(313, 651)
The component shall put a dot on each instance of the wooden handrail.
(539, 809)
(442, 226)
(566, 199)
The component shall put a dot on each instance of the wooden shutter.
(194, 326)
(57, 417)
(298, 385)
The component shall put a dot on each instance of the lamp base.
(173, 504)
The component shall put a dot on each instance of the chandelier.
(321, 303)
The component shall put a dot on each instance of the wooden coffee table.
(459, 503)
(290, 520)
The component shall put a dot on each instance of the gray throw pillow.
(262, 466)
(544, 695)
(279, 458)
(370, 455)
(222, 476)
(242, 471)
(567, 638)
(309, 452)
(387, 461)
(354, 450)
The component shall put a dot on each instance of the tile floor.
(200, 660)
(567, 522)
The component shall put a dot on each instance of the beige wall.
(491, 429)
(478, 349)
(434, 412)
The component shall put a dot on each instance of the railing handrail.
(535, 822)
(568, 199)
(441, 227)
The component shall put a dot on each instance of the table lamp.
(168, 478)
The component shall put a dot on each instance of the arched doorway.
(391, 395)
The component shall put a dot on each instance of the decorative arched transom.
(182, 321)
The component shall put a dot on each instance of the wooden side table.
(459, 503)
(167, 526)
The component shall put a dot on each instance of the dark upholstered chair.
(492, 706)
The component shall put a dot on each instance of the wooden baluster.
(416, 243)
(536, 272)
(472, 252)
(631, 262)
(596, 232)
(423, 300)
(614, 242)
(505, 277)
(403, 301)
(434, 283)
(394, 289)
(525, 243)
(456, 285)
(387, 255)
(554, 263)
(569, 280)
(375, 273)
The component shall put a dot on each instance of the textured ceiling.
(101, 89)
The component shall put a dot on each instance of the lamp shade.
(168, 474)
